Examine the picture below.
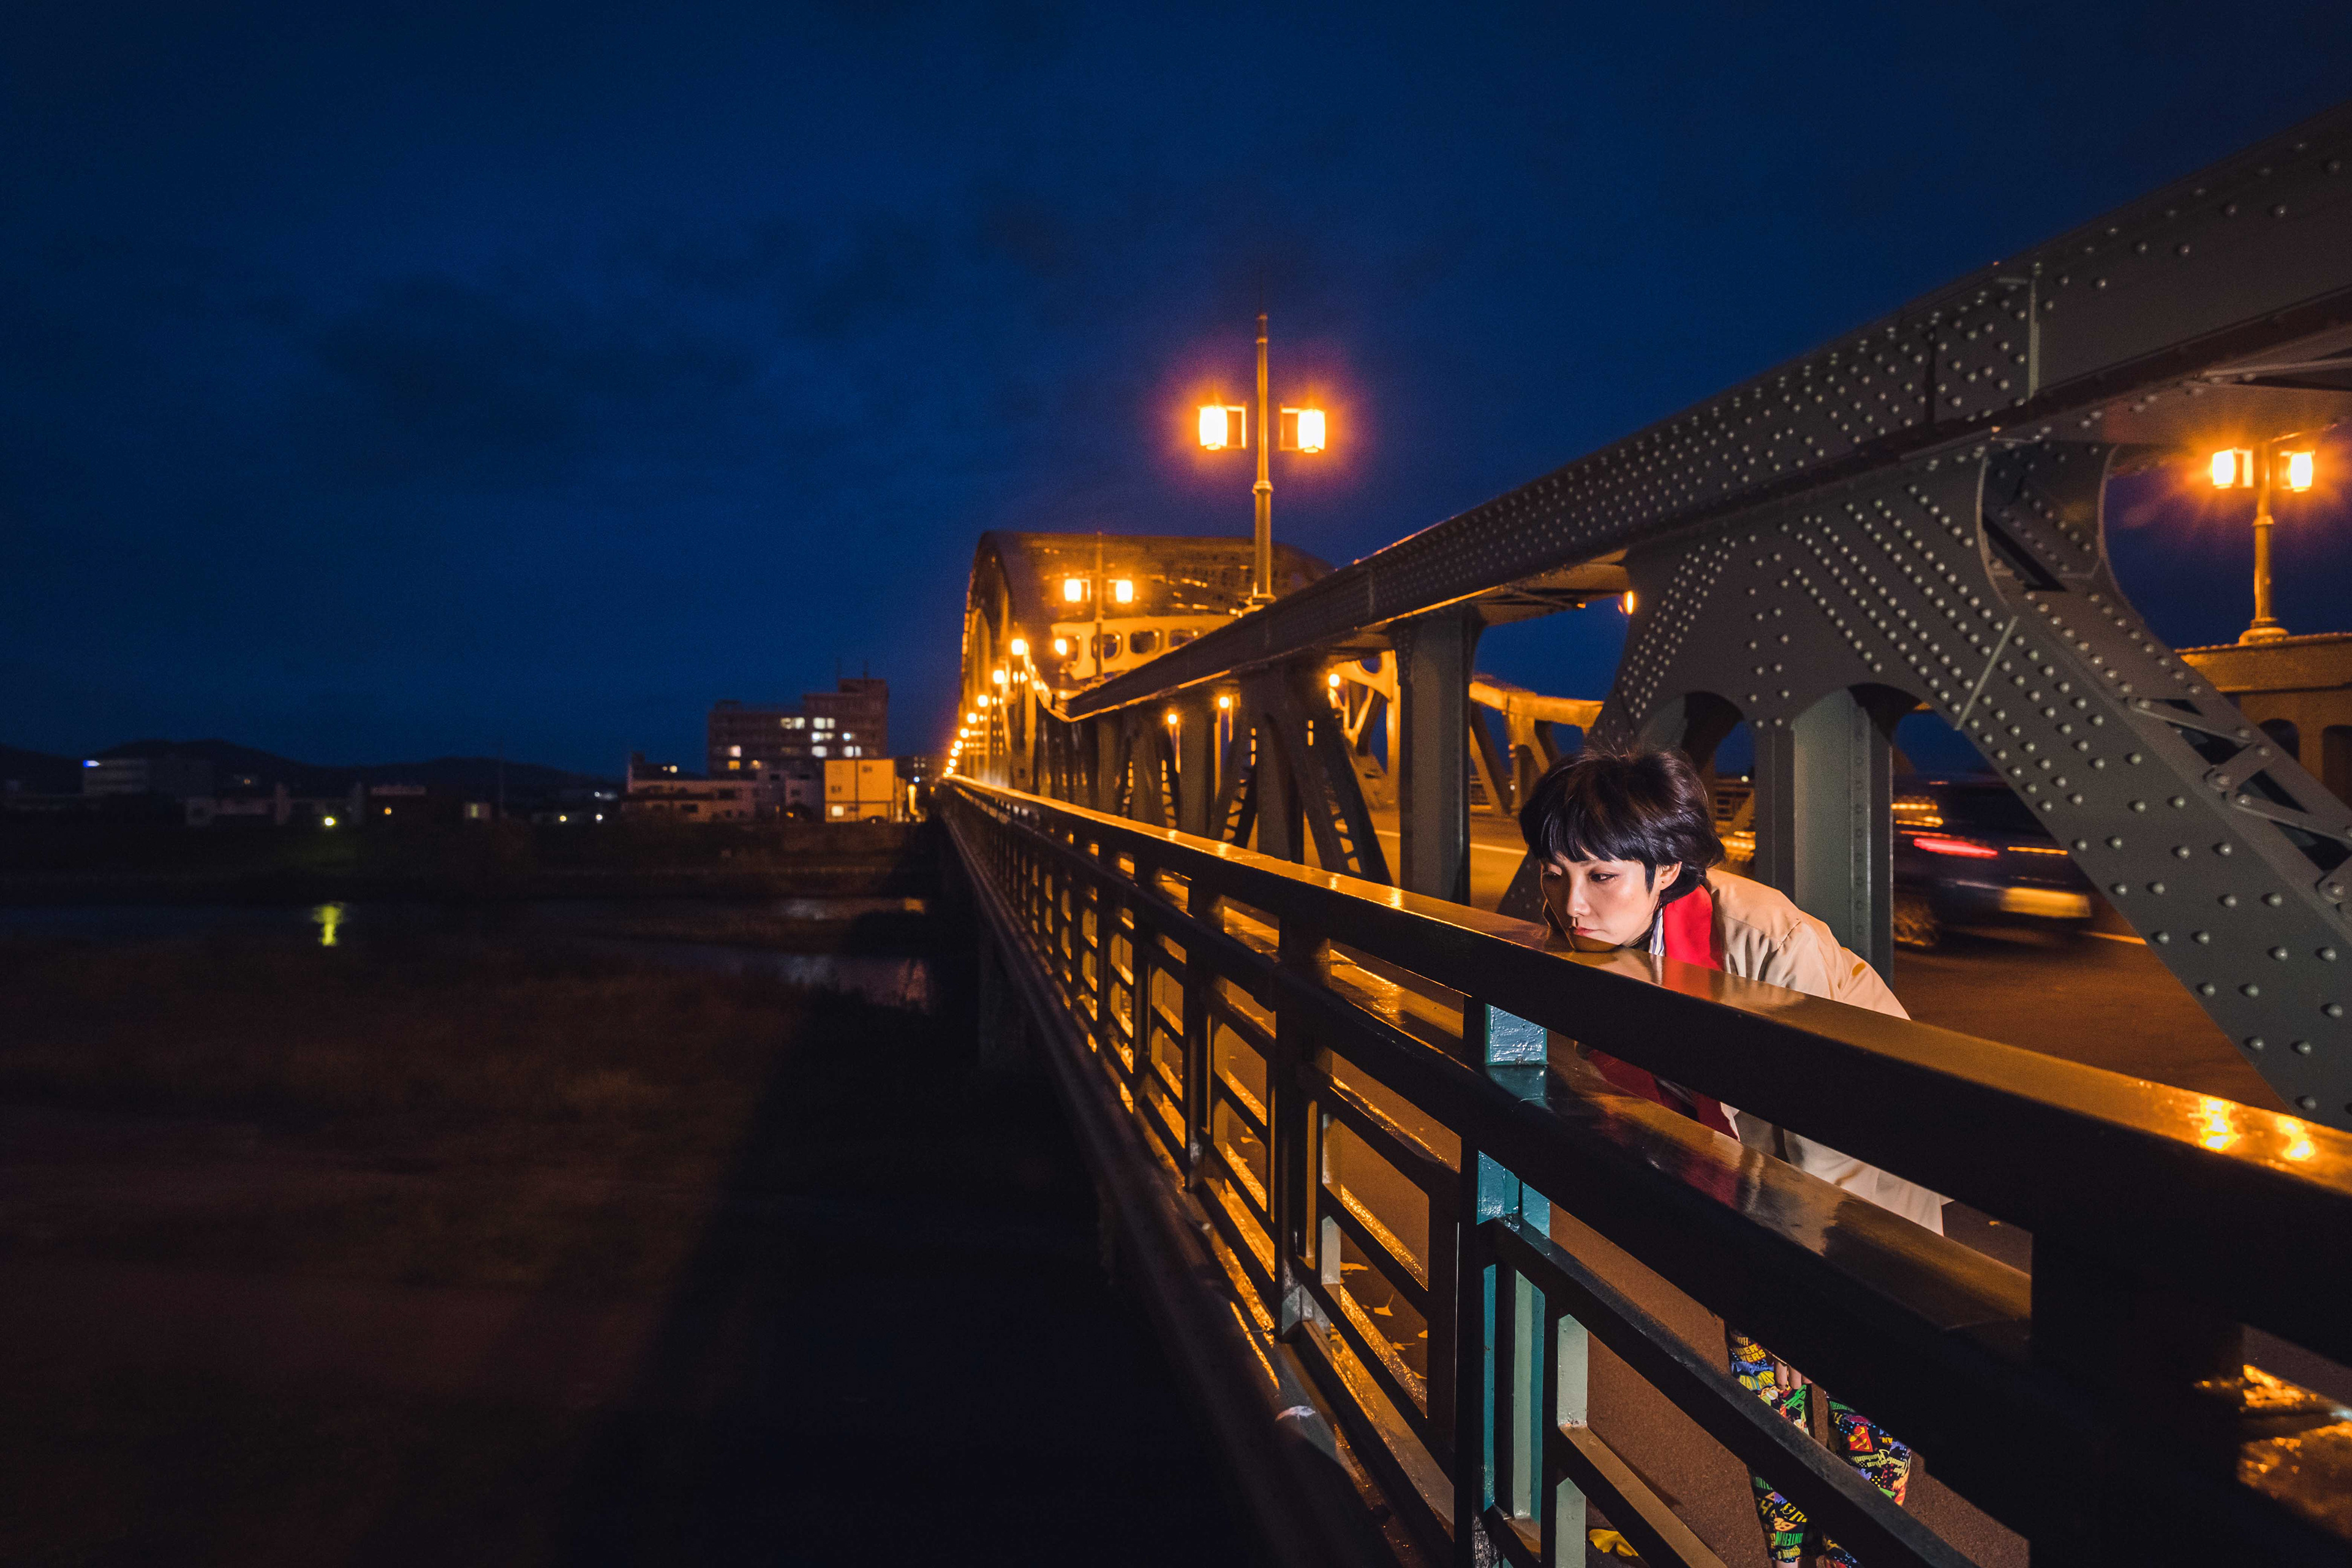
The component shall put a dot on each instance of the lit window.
(734, 751)
(734, 767)
(816, 751)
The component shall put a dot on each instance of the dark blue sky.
(380, 388)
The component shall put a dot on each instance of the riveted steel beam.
(1977, 584)
(2141, 319)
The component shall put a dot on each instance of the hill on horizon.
(41, 773)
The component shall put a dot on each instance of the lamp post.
(2259, 468)
(1303, 430)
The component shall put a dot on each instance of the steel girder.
(2128, 325)
(1977, 584)
(1911, 514)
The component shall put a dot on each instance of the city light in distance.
(1172, 718)
(1061, 647)
(997, 676)
(1021, 648)
(981, 700)
(1224, 702)
(1332, 681)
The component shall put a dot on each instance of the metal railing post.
(1498, 1463)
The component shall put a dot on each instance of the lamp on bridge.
(2262, 469)
(1224, 425)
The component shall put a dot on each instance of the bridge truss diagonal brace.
(1975, 584)
(1302, 761)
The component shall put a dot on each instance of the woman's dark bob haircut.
(1650, 806)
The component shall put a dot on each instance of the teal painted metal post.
(1513, 1053)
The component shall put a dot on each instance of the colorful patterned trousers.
(1883, 1462)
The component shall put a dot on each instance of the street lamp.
(1224, 425)
(2259, 468)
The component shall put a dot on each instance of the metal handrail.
(1274, 1028)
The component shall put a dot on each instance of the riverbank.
(45, 863)
(422, 1249)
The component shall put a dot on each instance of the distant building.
(181, 778)
(277, 807)
(664, 790)
(785, 749)
(852, 720)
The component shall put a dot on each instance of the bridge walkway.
(1348, 1112)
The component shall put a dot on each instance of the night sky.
(387, 388)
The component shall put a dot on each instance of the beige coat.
(1767, 937)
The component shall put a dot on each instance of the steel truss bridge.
(1386, 1209)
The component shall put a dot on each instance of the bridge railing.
(1370, 1100)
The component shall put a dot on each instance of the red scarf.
(1691, 937)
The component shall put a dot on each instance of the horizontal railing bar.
(1838, 1500)
(2115, 1167)
(1396, 1271)
(1369, 1443)
(1634, 1511)
(1237, 1095)
(1375, 1364)
(1415, 1161)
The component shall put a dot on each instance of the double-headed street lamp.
(2260, 468)
(1224, 425)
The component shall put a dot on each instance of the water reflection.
(328, 916)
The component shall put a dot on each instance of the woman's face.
(1602, 904)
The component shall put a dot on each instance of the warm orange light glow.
(1062, 645)
(1310, 430)
(1224, 702)
(997, 676)
(2233, 468)
(1332, 681)
(981, 700)
(1123, 591)
(1074, 589)
(1172, 718)
(2214, 1118)
(1021, 648)
(2298, 470)
(1629, 602)
(1223, 425)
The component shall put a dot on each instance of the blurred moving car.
(1969, 852)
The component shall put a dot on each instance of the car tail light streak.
(1936, 844)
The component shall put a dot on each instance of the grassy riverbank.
(417, 1250)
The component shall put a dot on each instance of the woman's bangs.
(1592, 836)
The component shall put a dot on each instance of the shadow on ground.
(401, 1256)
